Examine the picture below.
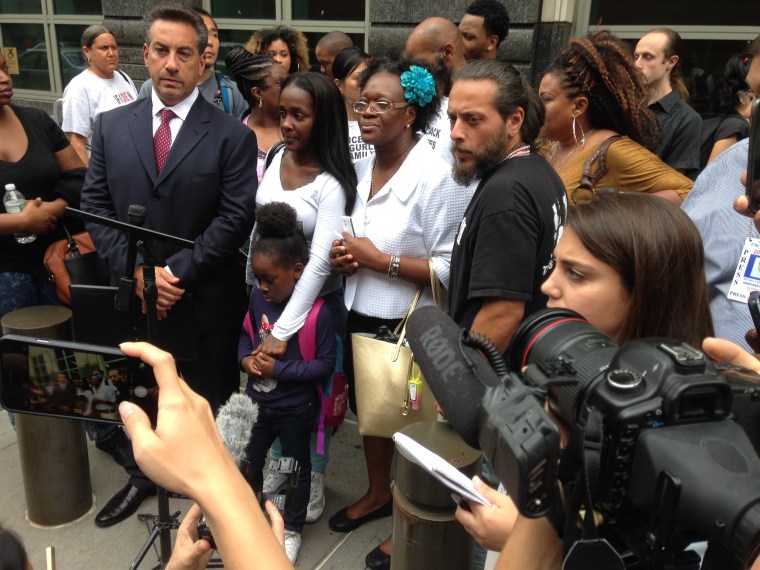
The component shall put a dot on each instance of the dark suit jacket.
(205, 192)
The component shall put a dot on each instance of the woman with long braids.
(259, 78)
(593, 92)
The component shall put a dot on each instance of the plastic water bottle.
(14, 202)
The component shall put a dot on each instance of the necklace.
(391, 171)
(521, 150)
(576, 146)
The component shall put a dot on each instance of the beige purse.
(382, 371)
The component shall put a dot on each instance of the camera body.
(652, 438)
(288, 466)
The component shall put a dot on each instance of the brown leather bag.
(74, 260)
(586, 189)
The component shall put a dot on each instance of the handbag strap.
(400, 329)
(72, 250)
(590, 179)
(436, 286)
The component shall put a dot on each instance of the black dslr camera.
(287, 466)
(654, 446)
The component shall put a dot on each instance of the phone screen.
(72, 380)
(753, 159)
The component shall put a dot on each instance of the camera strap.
(583, 457)
(587, 550)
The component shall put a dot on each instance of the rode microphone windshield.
(457, 374)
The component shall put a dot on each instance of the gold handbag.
(381, 373)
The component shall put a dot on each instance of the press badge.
(747, 276)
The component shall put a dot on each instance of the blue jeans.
(293, 427)
(21, 290)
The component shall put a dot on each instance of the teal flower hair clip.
(419, 85)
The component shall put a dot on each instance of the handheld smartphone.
(72, 380)
(348, 226)
(753, 160)
(754, 308)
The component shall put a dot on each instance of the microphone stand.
(138, 236)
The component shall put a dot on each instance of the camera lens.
(564, 345)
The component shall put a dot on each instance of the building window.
(238, 19)
(658, 13)
(711, 34)
(44, 35)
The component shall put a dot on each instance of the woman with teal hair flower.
(419, 85)
(406, 216)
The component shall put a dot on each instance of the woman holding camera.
(633, 266)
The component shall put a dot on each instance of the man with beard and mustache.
(503, 250)
(437, 43)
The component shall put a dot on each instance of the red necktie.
(162, 140)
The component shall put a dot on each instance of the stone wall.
(392, 21)
(125, 18)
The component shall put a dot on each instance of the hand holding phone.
(348, 226)
(753, 160)
(72, 380)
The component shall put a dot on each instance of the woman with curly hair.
(406, 216)
(592, 93)
(286, 45)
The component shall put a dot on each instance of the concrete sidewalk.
(81, 545)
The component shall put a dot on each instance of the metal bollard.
(425, 533)
(53, 451)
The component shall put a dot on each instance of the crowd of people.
(349, 188)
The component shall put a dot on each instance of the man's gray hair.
(178, 14)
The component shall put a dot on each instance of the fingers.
(753, 340)
(278, 525)
(138, 426)
(726, 351)
(191, 519)
(164, 368)
(272, 346)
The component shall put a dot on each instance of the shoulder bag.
(382, 371)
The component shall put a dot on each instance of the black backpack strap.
(274, 149)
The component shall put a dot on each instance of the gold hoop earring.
(261, 102)
(575, 137)
(583, 136)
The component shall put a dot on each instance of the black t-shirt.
(36, 174)
(733, 125)
(505, 241)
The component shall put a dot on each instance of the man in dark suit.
(64, 394)
(193, 168)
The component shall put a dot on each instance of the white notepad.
(441, 469)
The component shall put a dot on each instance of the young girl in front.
(284, 389)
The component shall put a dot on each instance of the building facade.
(41, 37)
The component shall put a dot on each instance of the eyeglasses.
(277, 84)
(378, 107)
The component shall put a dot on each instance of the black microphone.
(126, 292)
(458, 375)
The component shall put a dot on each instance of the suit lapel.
(141, 130)
(195, 127)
